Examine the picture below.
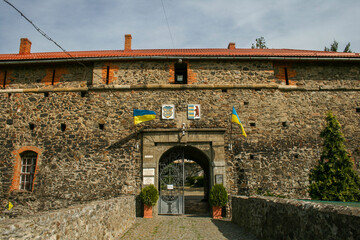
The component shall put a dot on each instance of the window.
(53, 78)
(181, 73)
(286, 76)
(107, 74)
(28, 165)
(63, 127)
(27, 160)
(4, 83)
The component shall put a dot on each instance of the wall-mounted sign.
(168, 111)
(218, 179)
(148, 180)
(148, 171)
(194, 111)
(149, 156)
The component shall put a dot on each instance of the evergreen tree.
(335, 46)
(334, 178)
(260, 43)
(347, 48)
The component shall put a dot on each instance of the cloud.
(98, 25)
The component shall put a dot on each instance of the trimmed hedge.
(218, 195)
(149, 195)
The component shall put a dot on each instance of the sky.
(85, 25)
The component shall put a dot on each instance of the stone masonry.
(82, 122)
(275, 218)
(97, 220)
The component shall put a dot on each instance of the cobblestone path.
(185, 227)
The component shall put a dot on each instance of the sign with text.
(148, 171)
(219, 179)
(148, 180)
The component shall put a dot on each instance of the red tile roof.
(220, 52)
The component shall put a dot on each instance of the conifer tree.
(347, 48)
(334, 178)
(260, 43)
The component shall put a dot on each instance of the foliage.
(347, 48)
(334, 178)
(218, 195)
(149, 195)
(260, 43)
(335, 46)
(195, 181)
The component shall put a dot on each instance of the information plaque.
(148, 180)
(219, 179)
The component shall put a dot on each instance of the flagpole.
(230, 148)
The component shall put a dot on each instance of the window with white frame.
(28, 165)
(181, 73)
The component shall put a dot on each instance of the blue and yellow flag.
(235, 118)
(9, 206)
(143, 116)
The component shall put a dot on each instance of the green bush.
(149, 195)
(218, 195)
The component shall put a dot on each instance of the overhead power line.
(48, 38)
(172, 41)
(40, 31)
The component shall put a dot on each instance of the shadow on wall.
(124, 140)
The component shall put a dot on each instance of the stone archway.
(204, 146)
(175, 196)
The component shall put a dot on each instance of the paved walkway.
(185, 227)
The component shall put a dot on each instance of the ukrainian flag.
(143, 116)
(235, 118)
(9, 206)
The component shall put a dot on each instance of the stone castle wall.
(84, 163)
(107, 219)
(45, 76)
(308, 74)
(274, 218)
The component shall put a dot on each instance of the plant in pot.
(149, 196)
(218, 198)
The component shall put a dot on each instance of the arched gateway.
(172, 177)
(164, 154)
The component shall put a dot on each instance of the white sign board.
(148, 171)
(170, 187)
(148, 180)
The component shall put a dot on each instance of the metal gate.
(171, 183)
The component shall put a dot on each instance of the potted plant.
(218, 198)
(149, 196)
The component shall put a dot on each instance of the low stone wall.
(274, 218)
(107, 219)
